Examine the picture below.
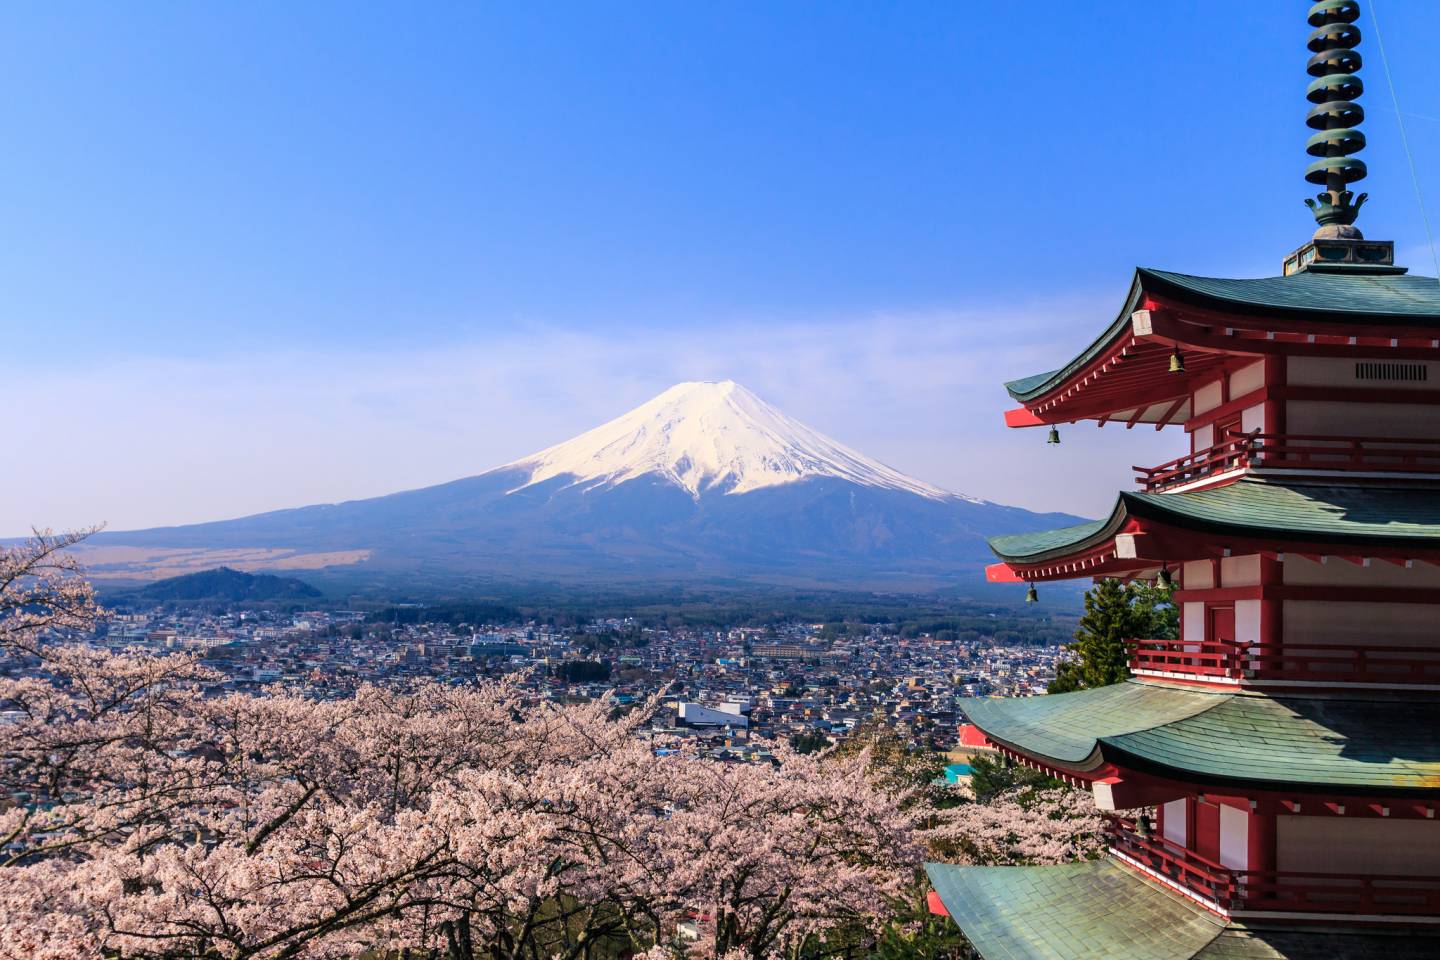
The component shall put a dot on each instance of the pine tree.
(1114, 613)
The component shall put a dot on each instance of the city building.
(1273, 776)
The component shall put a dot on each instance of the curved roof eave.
(1061, 541)
(1357, 298)
(1028, 388)
(1312, 513)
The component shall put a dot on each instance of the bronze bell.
(1032, 595)
(1165, 581)
(1054, 434)
(1177, 362)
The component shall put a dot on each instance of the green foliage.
(810, 742)
(912, 932)
(991, 776)
(1114, 613)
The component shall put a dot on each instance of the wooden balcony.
(1300, 452)
(1178, 656)
(1276, 890)
(1310, 663)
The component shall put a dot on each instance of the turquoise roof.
(1076, 911)
(1292, 743)
(1318, 512)
(1101, 911)
(1067, 727)
(1349, 298)
(1344, 297)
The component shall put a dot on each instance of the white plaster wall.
(1234, 837)
(1175, 822)
(1252, 419)
(1203, 438)
(1247, 621)
(1207, 398)
(1356, 624)
(1334, 418)
(1247, 379)
(1325, 844)
(1332, 372)
(1192, 622)
(1240, 571)
(1198, 575)
(1302, 571)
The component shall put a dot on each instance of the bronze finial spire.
(1335, 117)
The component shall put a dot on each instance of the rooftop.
(1295, 743)
(1085, 911)
(1351, 514)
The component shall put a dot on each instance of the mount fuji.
(704, 483)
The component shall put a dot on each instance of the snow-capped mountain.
(704, 483)
(710, 437)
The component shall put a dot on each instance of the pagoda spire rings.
(1335, 117)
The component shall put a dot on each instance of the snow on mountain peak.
(711, 436)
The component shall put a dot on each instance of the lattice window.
(1393, 372)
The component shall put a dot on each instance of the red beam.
(1022, 417)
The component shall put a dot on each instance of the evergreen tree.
(1114, 613)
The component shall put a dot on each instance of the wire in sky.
(1404, 140)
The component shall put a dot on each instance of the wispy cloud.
(158, 441)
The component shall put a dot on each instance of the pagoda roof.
(1297, 511)
(1375, 307)
(1098, 909)
(1288, 743)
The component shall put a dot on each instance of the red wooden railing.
(1230, 453)
(1290, 451)
(1321, 664)
(1327, 664)
(1277, 890)
(1173, 862)
(1180, 656)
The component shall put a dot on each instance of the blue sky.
(270, 254)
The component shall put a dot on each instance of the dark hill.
(225, 585)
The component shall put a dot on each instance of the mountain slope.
(705, 482)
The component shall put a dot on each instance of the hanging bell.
(1177, 362)
(1032, 595)
(1165, 581)
(1142, 826)
(1054, 434)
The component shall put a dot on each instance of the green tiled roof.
(1348, 297)
(1066, 727)
(1077, 911)
(1102, 911)
(1370, 745)
(1298, 743)
(1329, 512)
(1315, 512)
(1322, 297)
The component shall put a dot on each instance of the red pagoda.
(1272, 776)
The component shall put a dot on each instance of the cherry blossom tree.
(157, 815)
